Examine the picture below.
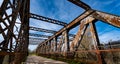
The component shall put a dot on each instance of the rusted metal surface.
(60, 43)
(89, 17)
(36, 39)
(46, 30)
(107, 18)
(42, 30)
(6, 53)
(96, 43)
(78, 37)
(81, 4)
(47, 19)
(11, 44)
(39, 35)
(72, 24)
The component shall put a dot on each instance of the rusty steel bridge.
(61, 43)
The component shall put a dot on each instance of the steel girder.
(42, 30)
(9, 36)
(89, 17)
(19, 44)
(30, 38)
(38, 35)
(41, 38)
(81, 4)
(11, 43)
(35, 41)
(89, 13)
(46, 30)
(46, 19)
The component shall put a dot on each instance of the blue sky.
(66, 11)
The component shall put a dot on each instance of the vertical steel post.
(67, 41)
(97, 43)
(55, 41)
(24, 42)
(49, 46)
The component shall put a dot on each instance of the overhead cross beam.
(46, 19)
(38, 35)
(42, 30)
(36, 38)
(73, 24)
(35, 41)
(103, 16)
(46, 30)
(89, 17)
(81, 4)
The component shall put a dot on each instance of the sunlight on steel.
(39, 35)
(46, 19)
(46, 30)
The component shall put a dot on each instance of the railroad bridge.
(14, 30)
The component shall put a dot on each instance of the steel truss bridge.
(17, 38)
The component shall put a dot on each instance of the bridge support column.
(68, 54)
(47, 48)
(67, 41)
(41, 49)
(55, 42)
(52, 46)
(49, 44)
(44, 49)
(97, 43)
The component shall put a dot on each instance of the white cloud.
(45, 25)
(67, 11)
(111, 35)
(32, 47)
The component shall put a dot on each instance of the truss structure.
(14, 31)
(12, 12)
(88, 18)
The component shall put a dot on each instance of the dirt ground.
(40, 60)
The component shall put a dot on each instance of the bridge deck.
(40, 60)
